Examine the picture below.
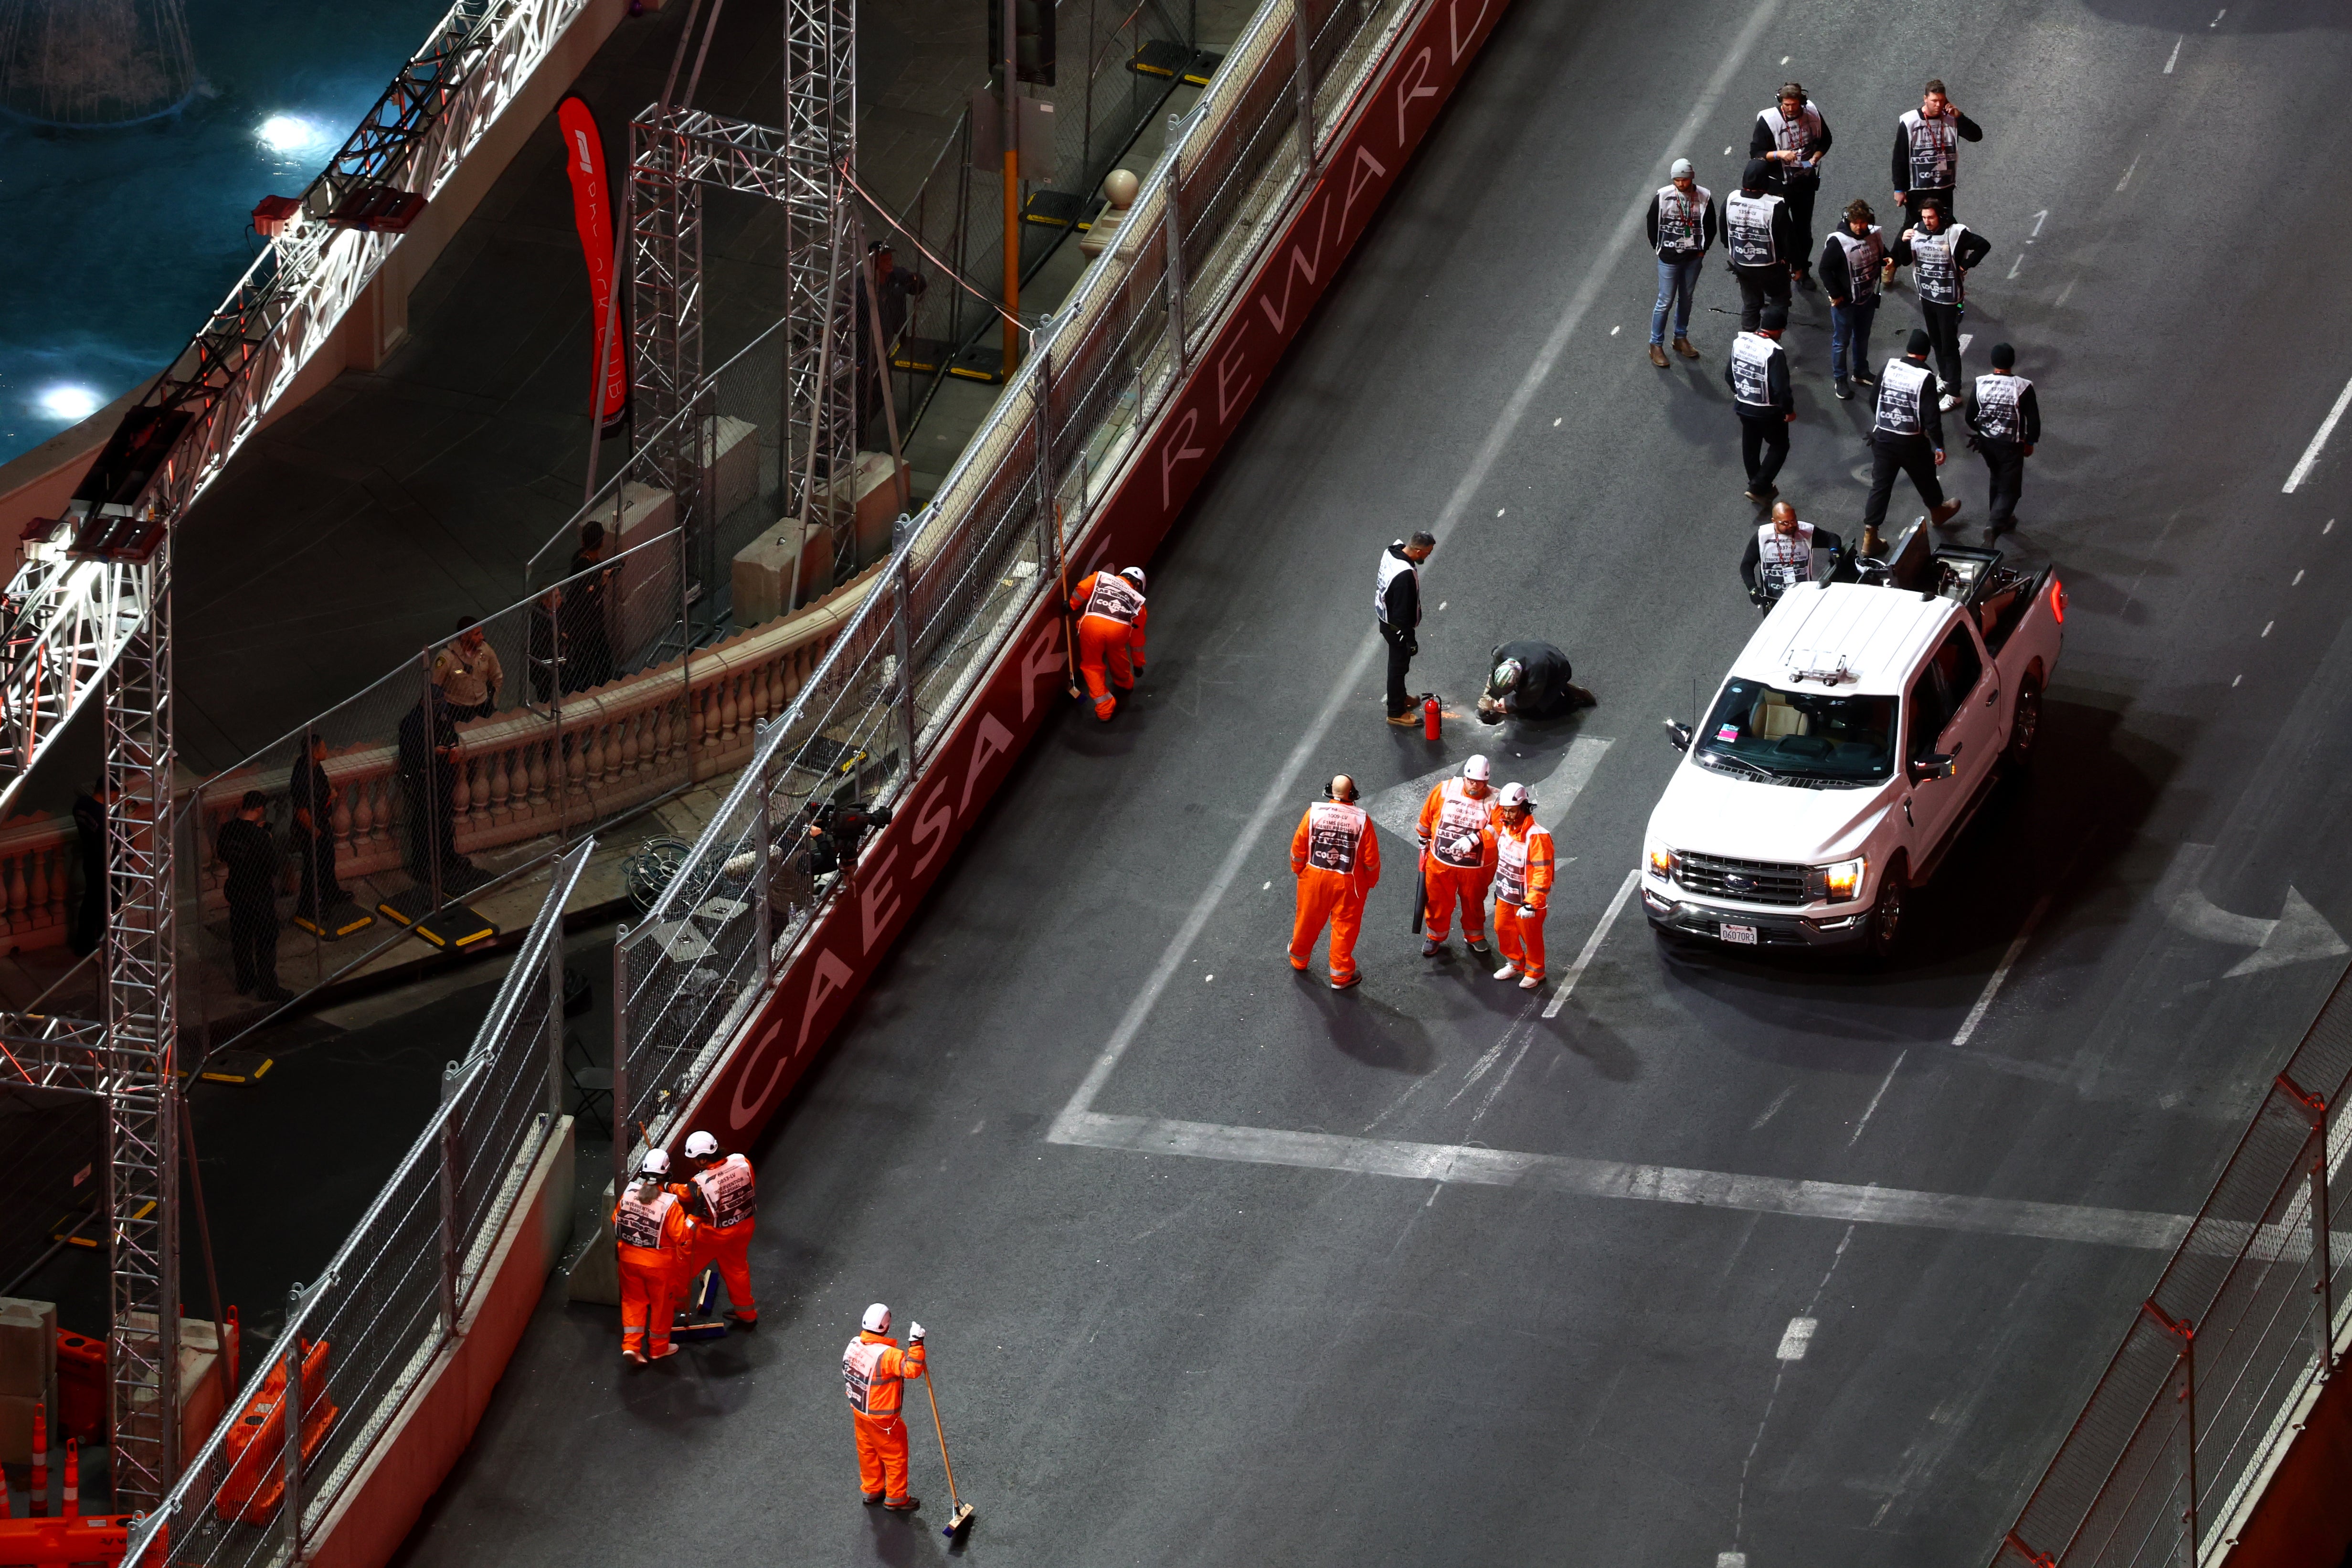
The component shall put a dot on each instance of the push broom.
(960, 1519)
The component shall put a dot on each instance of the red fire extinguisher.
(1433, 718)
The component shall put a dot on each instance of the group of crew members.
(670, 1231)
(1472, 839)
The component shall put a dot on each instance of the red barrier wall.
(2302, 1516)
(1390, 119)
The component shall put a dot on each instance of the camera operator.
(836, 829)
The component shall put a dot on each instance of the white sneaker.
(1508, 972)
(1948, 403)
(1529, 981)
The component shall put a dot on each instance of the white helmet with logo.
(656, 1162)
(877, 1320)
(1478, 768)
(1517, 794)
(1133, 574)
(700, 1145)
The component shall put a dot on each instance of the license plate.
(1743, 935)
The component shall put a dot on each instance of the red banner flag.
(592, 212)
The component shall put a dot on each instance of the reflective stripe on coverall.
(655, 1240)
(872, 1369)
(1111, 619)
(1522, 890)
(1336, 858)
(1458, 860)
(728, 1192)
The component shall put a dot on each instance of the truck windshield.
(1805, 735)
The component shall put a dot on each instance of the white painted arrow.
(1398, 807)
(2299, 936)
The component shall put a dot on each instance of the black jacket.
(251, 855)
(2029, 414)
(1760, 141)
(1710, 229)
(1544, 690)
(1973, 247)
(1931, 418)
(1823, 539)
(1776, 387)
(1403, 603)
(1969, 132)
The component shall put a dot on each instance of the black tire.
(2024, 726)
(1884, 932)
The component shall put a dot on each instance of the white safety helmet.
(656, 1163)
(1478, 768)
(1508, 674)
(1517, 794)
(877, 1320)
(700, 1145)
(1133, 574)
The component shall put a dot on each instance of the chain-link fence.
(394, 813)
(966, 571)
(360, 1337)
(2243, 1320)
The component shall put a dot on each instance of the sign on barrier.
(1392, 115)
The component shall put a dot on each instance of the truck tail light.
(2057, 599)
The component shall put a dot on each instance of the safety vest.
(1682, 219)
(870, 1392)
(1748, 229)
(1935, 265)
(729, 1190)
(1935, 149)
(641, 1225)
(1391, 567)
(1115, 599)
(1998, 416)
(1515, 851)
(1751, 370)
(1899, 386)
(1783, 561)
(1801, 134)
(1335, 836)
(1863, 257)
(1458, 839)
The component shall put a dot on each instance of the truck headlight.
(1840, 883)
(1663, 862)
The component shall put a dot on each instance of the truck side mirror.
(1935, 766)
(1678, 735)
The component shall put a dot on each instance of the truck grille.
(1748, 881)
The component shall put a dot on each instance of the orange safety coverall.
(1111, 617)
(872, 1370)
(1336, 857)
(1457, 836)
(654, 1239)
(1522, 890)
(728, 1199)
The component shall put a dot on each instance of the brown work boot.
(1682, 347)
(1942, 515)
(903, 1504)
(1657, 356)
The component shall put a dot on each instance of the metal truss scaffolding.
(674, 152)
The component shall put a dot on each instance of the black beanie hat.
(1755, 176)
(1919, 345)
(2003, 356)
(1773, 319)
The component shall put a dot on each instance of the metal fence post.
(2323, 1326)
(290, 1425)
(764, 830)
(1175, 222)
(555, 1023)
(903, 615)
(1303, 82)
(449, 1143)
(2184, 1333)
(620, 1061)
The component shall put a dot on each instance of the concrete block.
(202, 1398)
(644, 593)
(16, 1429)
(28, 1348)
(765, 583)
(874, 498)
(731, 465)
(596, 1273)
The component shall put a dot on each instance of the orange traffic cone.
(39, 1508)
(72, 1508)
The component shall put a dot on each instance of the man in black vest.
(1907, 436)
(1396, 610)
(2006, 420)
(1758, 375)
(1940, 254)
(1792, 137)
(1761, 240)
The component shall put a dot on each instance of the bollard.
(39, 1507)
(72, 1506)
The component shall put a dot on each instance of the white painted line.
(1872, 1108)
(2217, 17)
(1579, 1177)
(1965, 339)
(2175, 58)
(2298, 579)
(2016, 264)
(2127, 175)
(2068, 289)
(2267, 626)
(1615, 330)
(1591, 945)
(1773, 1110)
(1795, 1338)
(2311, 453)
(1732, 1559)
(2000, 975)
(1280, 792)
(2039, 219)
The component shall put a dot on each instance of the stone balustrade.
(36, 855)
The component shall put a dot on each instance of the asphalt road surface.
(1220, 1264)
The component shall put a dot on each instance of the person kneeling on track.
(1530, 681)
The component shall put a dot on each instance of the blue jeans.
(1677, 281)
(1849, 338)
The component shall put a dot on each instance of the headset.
(1348, 797)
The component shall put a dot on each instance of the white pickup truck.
(1856, 735)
